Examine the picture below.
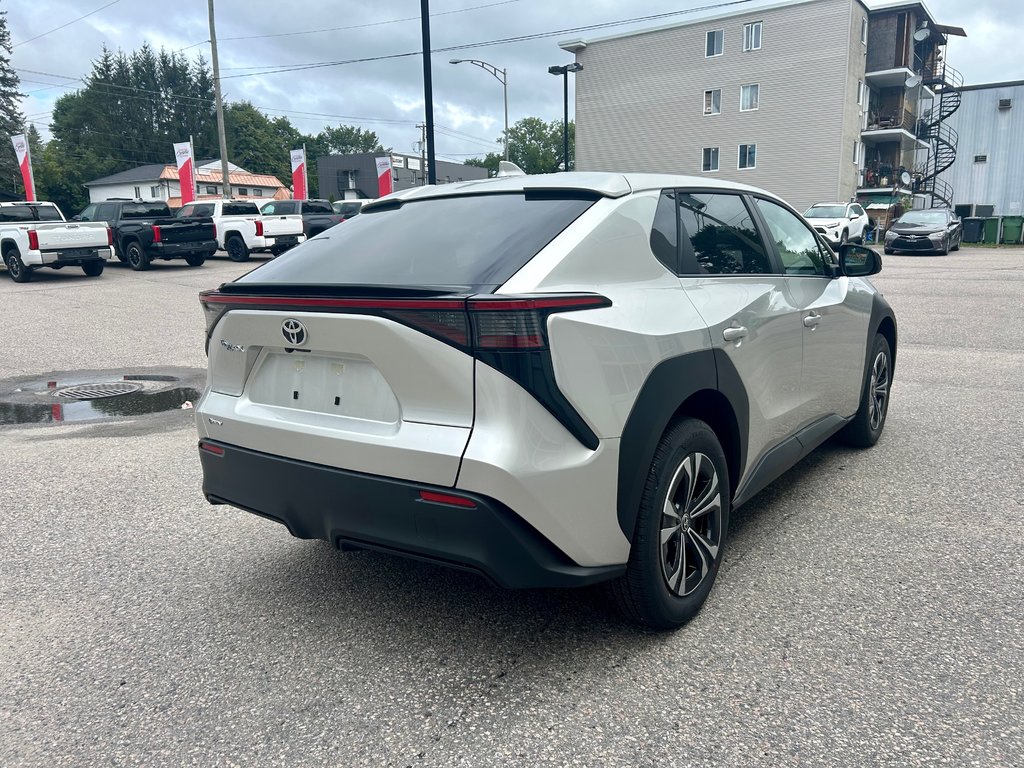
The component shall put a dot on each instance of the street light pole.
(502, 77)
(564, 72)
(428, 91)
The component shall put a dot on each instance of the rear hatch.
(358, 350)
(281, 226)
(62, 236)
(186, 230)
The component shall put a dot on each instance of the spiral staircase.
(945, 82)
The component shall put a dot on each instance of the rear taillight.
(33, 240)
(110, 237)
(156, 234)
(520, 323)
(214, 230)
(259, 228)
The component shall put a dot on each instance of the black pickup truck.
(317, 215)
(145, 230)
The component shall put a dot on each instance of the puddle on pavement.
(96, 396)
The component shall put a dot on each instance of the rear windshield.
(825, 212)
(144, 210)
(317, 206)
(240, 209)
(49, 213)
(474, 242)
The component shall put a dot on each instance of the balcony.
(898, 126)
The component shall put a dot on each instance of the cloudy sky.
(257, 36)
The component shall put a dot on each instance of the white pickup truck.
(241, 228)
(34, 235)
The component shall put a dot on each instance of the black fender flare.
(667, 388)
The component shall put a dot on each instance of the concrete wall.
(361, 169)
(998, 133)
(639, 100)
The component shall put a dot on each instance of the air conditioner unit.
(1005, 103)
(984, 211)
(964, 211)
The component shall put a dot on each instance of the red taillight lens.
(215, 231)
(212, 310)
(33, 240)
(156, 234)
(449, 325)
(216, 450)
(259, 228)
(447, 498)
(519, 322)
(110, 237)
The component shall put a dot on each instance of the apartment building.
(814, 100)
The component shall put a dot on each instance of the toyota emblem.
(293, 331)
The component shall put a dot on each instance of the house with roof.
(160, 182)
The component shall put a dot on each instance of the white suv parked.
(839, 222)
(552, 380)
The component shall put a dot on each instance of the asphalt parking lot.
(869, 610)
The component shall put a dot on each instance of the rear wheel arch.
(887, 327)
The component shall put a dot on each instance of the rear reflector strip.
(216, 450)
(445, 498)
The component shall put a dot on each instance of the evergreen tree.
(12, 119)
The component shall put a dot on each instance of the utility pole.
(428, 91)
(423, 152)
(226, 186)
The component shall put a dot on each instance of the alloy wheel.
(691, 524)
(879, 388)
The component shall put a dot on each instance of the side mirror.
(76, 217)
(858, 261)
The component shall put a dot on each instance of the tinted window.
(796, 244)
(347, 209)
(188, 210)
(16, 213)
(204, 209)
(144, 210)
(106, 212)
(48, 213)
(240, 209)
(268, 209)
(477, 242)
(88, 214)
(720, 237)
(317, 206)
(664, 231)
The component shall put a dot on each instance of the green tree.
(535, 146)
(12, 120)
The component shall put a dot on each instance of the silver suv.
(549, 380)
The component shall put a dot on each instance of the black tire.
(16, 267)
(945, 247)
(845, 237)
(195, 259)
(237, 249)
(136, 256)
(689, 467)
(956, 247)
(93, 268)
(888, 251)
(869, 421)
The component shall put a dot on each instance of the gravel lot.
(869, 611)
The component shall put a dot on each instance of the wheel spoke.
(710, 500)
(670, 510)
(705, 551)
(694, 461)
(668, 533)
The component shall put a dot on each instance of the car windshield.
(464, 242)
(923, 217)
(825, 212)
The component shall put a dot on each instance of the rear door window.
(144, 210)
(719, 236)
(239, 209)
(16, 213)
(106, 212)
(463, 242)
(48, 213)
(317, 206)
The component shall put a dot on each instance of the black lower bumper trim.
(351, 509)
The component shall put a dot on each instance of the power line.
(67, 24)
(269, 70)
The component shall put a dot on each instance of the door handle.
(812, 320)
(734, 333)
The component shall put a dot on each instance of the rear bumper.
(352, 508)
(71, 256)
(164, 250)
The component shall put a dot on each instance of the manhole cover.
(98, 391)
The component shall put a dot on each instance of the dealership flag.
(384, 186)
(186, 172)
(299, 190)
(25, 161)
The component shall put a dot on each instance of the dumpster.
(974, 229)
(1012, 226)
(991, 230)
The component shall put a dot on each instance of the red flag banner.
(384, 184)
(299, 191)
(25, 162)
(186, 172)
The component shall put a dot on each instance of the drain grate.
(98, 391)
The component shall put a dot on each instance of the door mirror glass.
(858, 261)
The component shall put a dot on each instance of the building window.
(257, 192)
(154, 192)
(713, 102)
(138, 193)
(748, 156)
(752, 36)
(211, 190)
(864, 31)
(709, 161)
(981, 158)
(860, 91)
(749, 97)
(857, 152)
(714, 43)
(243, 191)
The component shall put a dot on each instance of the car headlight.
(936, 235)
(890, 235)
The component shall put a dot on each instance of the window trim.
(860, 92)
(704, 104)
(760, 33)
(864, 30)
(751, 85)
(739, 149)
(718, 159)
(711, 32)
